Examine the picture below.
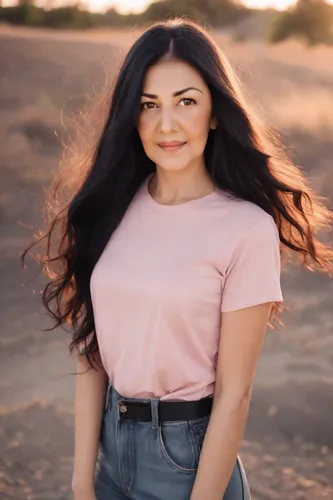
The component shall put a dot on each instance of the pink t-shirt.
(162, 281)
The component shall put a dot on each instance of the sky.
(136, 6)
(140, 5)
(125, 6)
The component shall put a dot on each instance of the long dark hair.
(242, 156)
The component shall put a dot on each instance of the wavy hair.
(242, 156)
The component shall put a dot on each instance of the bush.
(68, 17)
(282, 27)
(214, 12)
(23, 14)
(310, 20)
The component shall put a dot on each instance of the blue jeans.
(153, 460)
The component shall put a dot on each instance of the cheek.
(197, 131)
(145, 131)
(199, 122)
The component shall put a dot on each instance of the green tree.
(25, 3)
(310, 20)
(214, 12)
(69, 17)
(25, 14)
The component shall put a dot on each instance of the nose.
(167, 120)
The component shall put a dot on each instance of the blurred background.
(54, 57)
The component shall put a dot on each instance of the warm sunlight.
(136, 6)
(277, 4)
(125, 6)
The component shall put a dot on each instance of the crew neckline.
(180, 206)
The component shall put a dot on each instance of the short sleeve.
(253, 274)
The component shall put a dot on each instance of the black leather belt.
(167, 410)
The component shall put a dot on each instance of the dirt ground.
(288, 446)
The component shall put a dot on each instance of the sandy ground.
(288, 446)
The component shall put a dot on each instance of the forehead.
(172, 75)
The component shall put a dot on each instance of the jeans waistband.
(155, 411)
(114, 400)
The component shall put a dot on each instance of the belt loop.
(154, 413)
(119, 404)
(108, 398)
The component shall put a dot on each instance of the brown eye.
(188, 101)
(148, 105)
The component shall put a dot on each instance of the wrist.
(82, 485)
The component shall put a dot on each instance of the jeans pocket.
(198, 428)
(107, 437)
(178, 447)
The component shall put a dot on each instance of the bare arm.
(90, 391)
(242, 335)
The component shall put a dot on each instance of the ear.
(213, 123)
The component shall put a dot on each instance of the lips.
(171, 146)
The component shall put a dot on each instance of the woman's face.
(175, 106)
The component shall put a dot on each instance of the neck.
(172, 188)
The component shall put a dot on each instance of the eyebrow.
(175, 94)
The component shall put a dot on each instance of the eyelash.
(151, 102)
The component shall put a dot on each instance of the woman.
(168, 269)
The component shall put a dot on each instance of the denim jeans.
(153, 460)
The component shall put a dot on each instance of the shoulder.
(244, 218)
